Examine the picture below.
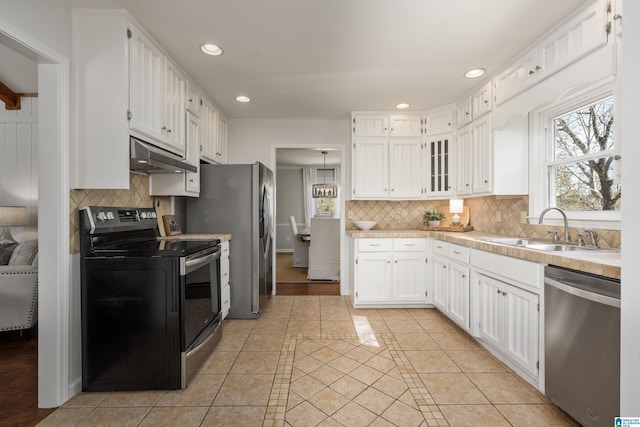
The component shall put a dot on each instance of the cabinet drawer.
(459, 253)
(409, 245)
(375, 245)
(441, 248)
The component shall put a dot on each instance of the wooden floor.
(19, 380)
(293, 281)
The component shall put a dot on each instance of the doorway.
(297, 168)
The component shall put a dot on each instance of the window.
(325, 206)
(574, 159)
(581, 167)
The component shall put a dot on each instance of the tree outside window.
(581, 172)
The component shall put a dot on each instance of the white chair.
(324, 252)
(300, 246)
(19, 289)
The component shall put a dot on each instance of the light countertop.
(604, 263)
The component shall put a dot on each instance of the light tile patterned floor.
(316, 361)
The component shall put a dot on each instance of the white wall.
(252, 140)
(19, 163)
(629, 135)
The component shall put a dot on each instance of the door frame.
(344, 288)
(54, 294)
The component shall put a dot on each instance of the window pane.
(587, 186)
(584, 131)
(325, 206)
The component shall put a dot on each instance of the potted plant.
(433, 218)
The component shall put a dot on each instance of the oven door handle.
(195, 263)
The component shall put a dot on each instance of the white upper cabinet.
(175, 100)
(482, 156)
(405, 125)
(370, 168)
(579, 36)
(194, 99)
(463, 112)
(405, 168)
(482, 100)
(146, 86)
(371, 125)
(438, 121)
(464, 153)
(209, 132)
(437, 166)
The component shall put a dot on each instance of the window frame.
(541, 158)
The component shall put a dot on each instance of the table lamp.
(11, 216)
(456, 207)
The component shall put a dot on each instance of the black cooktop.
(149, 248)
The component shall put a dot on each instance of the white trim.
(53, 219)
(344, 288)
(539, 155)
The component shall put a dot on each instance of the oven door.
(200, 308)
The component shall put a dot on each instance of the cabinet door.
(482, 158)
(409, 277)
(522, 74)
(221, 139)
(439, 121)
(441, 283)
(208, 125)
(463, 112)
(146, 103)
(370, 125)
(490, 310)
(405, 126)
(370, 168)
(373, 277)
(405, 168)
(193, 153)
(521, 327)
(482, 100)
(175, 99)
(194, 99)
(459, 294)
(463, 161)
(437, 168)
(579, 36)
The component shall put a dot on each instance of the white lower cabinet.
(451, 281)
(508, 320)
(391, 272)
(225, 282)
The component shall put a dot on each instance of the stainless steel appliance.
(237, 199)
(151, 309)
(582, 345)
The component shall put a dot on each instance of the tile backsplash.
(484, 213)
(136, 196)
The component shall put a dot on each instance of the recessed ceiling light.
(211, 49)
(476, 72)
(403, 105)
(242, 98)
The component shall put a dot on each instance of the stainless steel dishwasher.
(582, 344)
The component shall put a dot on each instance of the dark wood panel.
(308, 289)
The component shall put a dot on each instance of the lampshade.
(456, 205)
(10, 216)
(324, 190)
(13, 215)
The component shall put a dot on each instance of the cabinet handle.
(457, 253)
(486, 181)
(486, 101)
(396, 261)
(464, 276)
(466, 185)
(504, 293)
(388, 262)
(467, 113)
(163, 128)
(168, 130)
(531, 72)
(498, 290)
(409, 244)
(190, 100)
(444, 266)
(537, 68)
(374, 244)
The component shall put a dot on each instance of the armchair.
(19, 289)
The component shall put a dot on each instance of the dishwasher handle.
(580, 293)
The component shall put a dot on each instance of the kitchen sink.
(542, 245)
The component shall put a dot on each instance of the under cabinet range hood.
(146, 158)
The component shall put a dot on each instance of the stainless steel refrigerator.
(238, 199)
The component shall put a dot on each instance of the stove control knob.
(110, 216)
(101, 216)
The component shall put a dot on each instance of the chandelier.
(324, 190)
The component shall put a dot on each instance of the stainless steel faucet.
(564, 217)
(592, 235)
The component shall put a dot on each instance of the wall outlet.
(523, 217)
(498, 216)
(350, 214)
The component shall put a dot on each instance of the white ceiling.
(306, 157)
(321, 59)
